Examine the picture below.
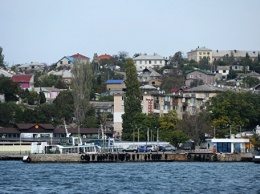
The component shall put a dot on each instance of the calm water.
(158, 177)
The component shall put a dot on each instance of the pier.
(138, 157)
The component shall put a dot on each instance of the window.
(140, 62)
(145, 62)
(191, 76)
(200, 75)
(208, 53)
(204, 53)
(60, 62)
(224, 147)
(122, 107)
(224, 71)
(150, 62)
(68, 62)
(200, 53)
(206, 95)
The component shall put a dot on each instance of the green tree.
(132, 99)
(255, 140)
(251, 81)
(176, 59)
(196, 125)
(232, 74)
(234, 108)
(10, 89)
(2, 64)
(33, 98)
(10, 113)
(81, 89)
(47, 80)
(205, 64)
(42, 97)
(171, 82)
(168, 128)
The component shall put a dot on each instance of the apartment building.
(200, 53)
(214, 55)
(149, 61)
(188, 101)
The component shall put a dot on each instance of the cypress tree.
(132, 99)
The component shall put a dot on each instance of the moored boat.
(256, 158)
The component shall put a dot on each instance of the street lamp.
(239, 128)
(214, 131)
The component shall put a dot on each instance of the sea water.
(139, 177)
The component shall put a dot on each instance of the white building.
(149, 61)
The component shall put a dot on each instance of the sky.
(45, 31)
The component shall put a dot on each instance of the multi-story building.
(236, 54)
(149, 61)
(214, 55)
(188, 101)
(200, 53)
(206, 76)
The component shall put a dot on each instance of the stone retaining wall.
(138, 157)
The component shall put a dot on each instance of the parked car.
(142, 148)
(131, 148)
(150, 148)
(170, 148)
(161, 148)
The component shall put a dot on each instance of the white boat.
(256, 158)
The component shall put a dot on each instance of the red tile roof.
(21, 78)
(105, 56)
(79, 56)
(175, 89)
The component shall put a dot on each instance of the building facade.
(206, 76)
(200, 53)
(149, 61)
(188, 101)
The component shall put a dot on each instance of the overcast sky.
(46, 30)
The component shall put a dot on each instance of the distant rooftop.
(114, 81)
(149, 57)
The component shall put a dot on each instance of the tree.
(49, 81)
(232, 74)
(2, 64)
(255, 140)
(42, 97)
(168, 128)
(10, 113)
(251, 81)
(171, 82)
(120, 59)
(234, 108)
(81, 89)
(196, 126)
(33, 98)
(204, 64)
(10, 89)
(132, 99)
(177, 59)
